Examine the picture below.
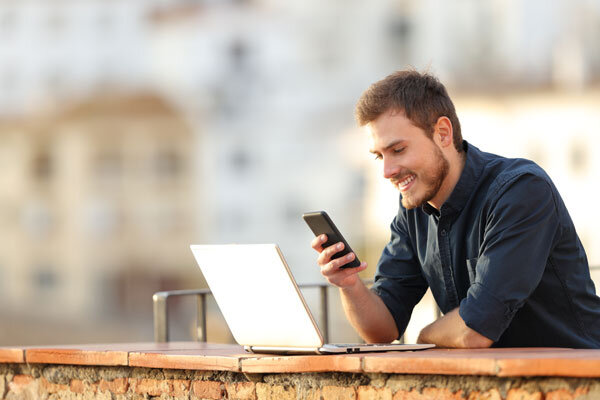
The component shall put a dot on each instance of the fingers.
(344, 277)
(333, 270)
(327, 253)
(317, 242)
(332, 265)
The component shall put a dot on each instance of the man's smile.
(404, 183)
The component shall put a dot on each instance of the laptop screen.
(257, 295)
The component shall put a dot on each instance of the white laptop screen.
(259, 300)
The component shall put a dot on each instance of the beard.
(431, 179)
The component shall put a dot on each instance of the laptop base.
(338, 348)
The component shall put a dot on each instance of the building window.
(167, 164)
(102, 218)
(238, 52)
(42, 167)
(45, 279)
(240, 161)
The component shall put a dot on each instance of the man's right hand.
(331, 268)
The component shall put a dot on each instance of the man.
(490, 236)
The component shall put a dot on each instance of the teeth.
(407, 180)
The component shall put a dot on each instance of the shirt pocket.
(472, 269)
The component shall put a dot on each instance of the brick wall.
(21, 381)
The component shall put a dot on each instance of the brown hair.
(421, 97)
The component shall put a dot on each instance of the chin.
(409, 204)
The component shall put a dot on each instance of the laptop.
(262, 305)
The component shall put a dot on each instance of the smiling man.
(490, 236)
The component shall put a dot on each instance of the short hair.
(420, 96)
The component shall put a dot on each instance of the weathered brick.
(49, 387)
(564, 394)
(116, 386)
(405, 395)
(24, 386)
(275, 392)
(77, 386)
(241, 391)
(207, 389)
(21, 380)
(442, 393)
(492, 394)
(371, 393)
(152, 387)
(522, 394)
(559, 394)
(431, 393)
(311, 393)
(338, 393)
(180, 387)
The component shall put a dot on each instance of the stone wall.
(22, 381)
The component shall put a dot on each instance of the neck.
(456, 163)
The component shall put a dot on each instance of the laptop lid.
(257, 295)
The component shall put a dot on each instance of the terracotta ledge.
(225, 357)
(12, 355)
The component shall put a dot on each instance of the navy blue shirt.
(504, 249)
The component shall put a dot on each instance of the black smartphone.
(320, 223)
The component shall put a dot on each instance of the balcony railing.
(161, 312)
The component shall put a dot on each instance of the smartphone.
(320, 223)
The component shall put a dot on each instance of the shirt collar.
(465, 185)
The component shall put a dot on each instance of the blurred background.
(131, 129)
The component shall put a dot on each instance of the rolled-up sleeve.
(399, 281)
(521, 227)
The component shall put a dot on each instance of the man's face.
(411, 161)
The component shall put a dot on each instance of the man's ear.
(442, 131)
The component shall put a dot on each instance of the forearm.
(451, 331)
(368, 314)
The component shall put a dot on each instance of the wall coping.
(508, 362)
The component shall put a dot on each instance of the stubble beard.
(432, 181)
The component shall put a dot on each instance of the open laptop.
(262, 305)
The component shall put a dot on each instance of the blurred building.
(98, 206)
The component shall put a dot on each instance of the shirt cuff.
(484, 313)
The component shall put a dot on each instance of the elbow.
(474, 340)
(380, 336)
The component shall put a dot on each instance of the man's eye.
(399, 150)
(378, 157)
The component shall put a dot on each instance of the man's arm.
(364, 309)
(451, 331)
(522, 227)
(368, 314)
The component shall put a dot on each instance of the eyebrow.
(389, 146)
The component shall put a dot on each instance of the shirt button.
(443, 232)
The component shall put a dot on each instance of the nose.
(389, 168)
